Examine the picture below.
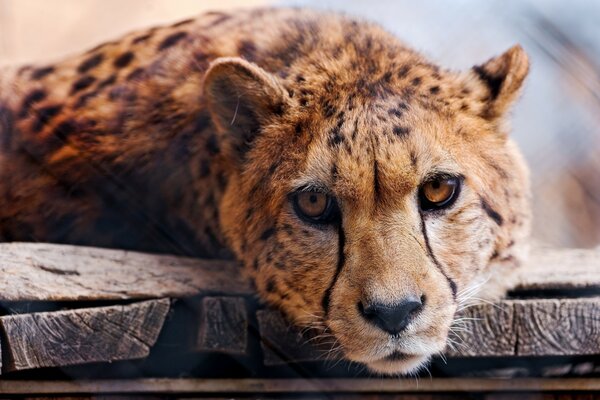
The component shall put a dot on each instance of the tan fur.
(195, 145)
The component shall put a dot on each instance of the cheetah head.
(368, 195)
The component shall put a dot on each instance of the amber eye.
(315, 207)
(439, 192)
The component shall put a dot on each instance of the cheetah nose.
(392, 318)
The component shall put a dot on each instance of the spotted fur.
(189, 139)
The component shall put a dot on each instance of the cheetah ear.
(241, 98)
(502, 77)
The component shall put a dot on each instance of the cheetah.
(367, 191)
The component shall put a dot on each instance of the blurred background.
(556, 123)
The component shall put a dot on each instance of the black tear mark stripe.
(493, 214)
(340, 265)
(434, 259)
(494, 83)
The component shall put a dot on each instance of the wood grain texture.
(51, 272)
(223, 325)
(549, 268)
(558, 327)
(484, 330)
(61, 338)
(536, 327)
(282, 343)
(344, 385)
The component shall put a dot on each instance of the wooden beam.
(549, 268)
(61, 338)
(536, 327)
(51, 272)
(348, 385)
(223, 326)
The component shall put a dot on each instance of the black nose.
(392, 318)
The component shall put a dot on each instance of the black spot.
(395, 111)
(298, 128)
(82, 83)
(413, 159)
(106, 82)
(45, 115)
(255, 264)
(141, 38)
(135, 74)
(222, 18)
(204, 169)
(65, 129)
(401, 131)
(416, 81)
(90, 63)
(300, 79)
(172, 40)
(247, 49)
(494, 83)
(83, 99)
(124, 60)
(328, 109)
(387, 77)
(271, 287)
(181, 23)
(493, 214)
(212, 145)
(267, 234)
(41, 72)
(434, 89)
(202, 122)
(403, 71)
(33, 97)
(335, 137)
(6, 127)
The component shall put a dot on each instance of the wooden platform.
(96, 320)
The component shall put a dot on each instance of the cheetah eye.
(315, 207)
(439, 192)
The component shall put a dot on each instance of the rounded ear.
(241, 98)
(502, 77)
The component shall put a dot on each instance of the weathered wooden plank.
(484, 330)
(223, 325)
(345, 385)
(282, 343)
(549, 268)
(537, 327)
(60, 338)
(558, 327)
(51, 272)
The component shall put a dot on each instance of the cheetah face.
(368, 209)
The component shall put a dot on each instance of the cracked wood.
(537, 327)
(61, 338)
(51, 272)
(223, 326)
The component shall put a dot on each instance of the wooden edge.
(52, 272)
(536, 327)
(223, 326)
(352, 385)
(551, 268)
(71, 337)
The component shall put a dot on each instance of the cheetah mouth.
(397, 356)
(398, 363)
